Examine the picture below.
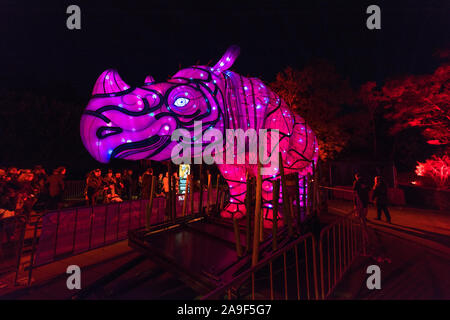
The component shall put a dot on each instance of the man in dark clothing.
(94, 184)
(361, 201)
(40, 180)
(380, 196)
(361, 196)
(119, 186)
(56, 188)
(126, 181)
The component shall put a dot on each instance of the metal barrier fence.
(280, 275)
(339, 245)
(74, 189)
(294, 272)
(76, 230)
(10, 234)
(72, 231)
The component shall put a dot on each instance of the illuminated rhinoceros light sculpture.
(136, 123)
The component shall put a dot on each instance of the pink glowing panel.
(137, 122)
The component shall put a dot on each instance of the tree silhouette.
(324, 100)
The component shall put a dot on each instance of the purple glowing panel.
(136, 123)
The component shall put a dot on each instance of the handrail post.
(208, 195)
(174, 198)
(33, 248)
(322, 285)
(248, 199)
(200, 202)
(286, 207)
(185, 200)
(275, 198)
(191, 192)
(148, 211)
(217, 194)
(297, 199)
(316, 289)
(169, 194)
(257, 226)
(237, 237)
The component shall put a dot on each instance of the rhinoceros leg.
(235, 176)
(267, 196)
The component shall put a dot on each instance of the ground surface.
(413, 254)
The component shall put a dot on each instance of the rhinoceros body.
(137, 122)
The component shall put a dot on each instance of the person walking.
(361, 203)
(380, 197)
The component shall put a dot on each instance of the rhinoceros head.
(136, 123)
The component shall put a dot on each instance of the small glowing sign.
(183, 172)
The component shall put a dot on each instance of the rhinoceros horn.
(149, 80)
(109, 82)
(227, 59)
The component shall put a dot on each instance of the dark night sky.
(39, 52)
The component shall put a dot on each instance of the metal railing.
(294, 272)
(283, 264)
(71, 231)
(10, 236)
(66, 232)
(339, 245)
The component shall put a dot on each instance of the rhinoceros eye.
(181, 102)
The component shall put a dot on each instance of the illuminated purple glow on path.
(136, 123)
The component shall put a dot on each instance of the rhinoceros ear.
(109, 82)
(227, 59)
(149, 80)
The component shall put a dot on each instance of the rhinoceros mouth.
(152, 145)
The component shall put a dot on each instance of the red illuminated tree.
(436, 168)
(420, 101)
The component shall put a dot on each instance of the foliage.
(420, 101)
(437, 168)
(321, 97)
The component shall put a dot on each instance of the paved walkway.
(413, 254)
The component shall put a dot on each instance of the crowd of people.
(120, 186)
(21, 190)
(24, 190)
